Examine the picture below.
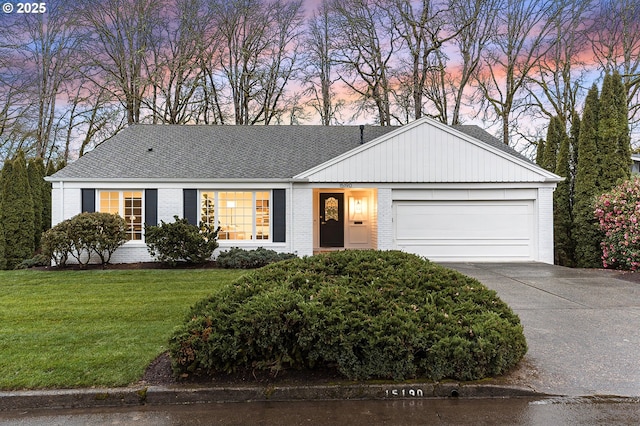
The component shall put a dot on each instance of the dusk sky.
(531, 124)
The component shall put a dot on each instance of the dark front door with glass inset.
(331, 220)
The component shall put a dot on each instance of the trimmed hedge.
(370, 314)
(237, 258)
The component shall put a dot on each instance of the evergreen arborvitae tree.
(46, 197)
(555, 134)
(586, 232)
(562, 220)
(540, 152)
(35, 172)
(624, 134)
(574, 137)
(5, 177)
(613, 133)
(3, 261)
(17, 212)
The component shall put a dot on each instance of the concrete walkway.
(582, 326)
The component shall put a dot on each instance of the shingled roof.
(484, 136)
(144, 151)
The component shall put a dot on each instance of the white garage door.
(465, 230)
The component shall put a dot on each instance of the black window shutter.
(151, 207)
(88, 200)
(279, 216)
(190, 205)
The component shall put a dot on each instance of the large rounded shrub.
(85, 236)
(618, 212)
(370, 314)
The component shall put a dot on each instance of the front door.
(331, 219)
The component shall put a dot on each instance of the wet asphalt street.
(512, 411)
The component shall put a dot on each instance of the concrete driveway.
(582, 326)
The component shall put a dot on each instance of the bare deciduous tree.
(122, 33)
(475, 22)
(558, 76)
(615, 39)
(54, 39)
(319, 75)
(175, 69)
(365, 49)
(518, 44)
(425, 27)
(259, 56)
(39, 58)
(15, 105)
(92, 117)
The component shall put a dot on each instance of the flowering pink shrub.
(619, 214)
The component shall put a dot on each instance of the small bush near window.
(83, 236)
(618, 212)
(181, 241)
(237, 258)
(369, 314)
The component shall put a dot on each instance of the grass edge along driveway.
(69, 329)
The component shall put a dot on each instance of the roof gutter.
(554, 179)
(177, 180)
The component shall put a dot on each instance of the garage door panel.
(461, 252)
(450, 230)
(471, 222)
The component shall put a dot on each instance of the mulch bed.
(633, 277)
(159, 373)
(128, 266)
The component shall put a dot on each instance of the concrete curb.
(167, 395)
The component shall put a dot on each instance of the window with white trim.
(241, 215)
(127, 204)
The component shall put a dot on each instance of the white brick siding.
(385, 219)
(374, 221)
(170, 204)
(132, 252)
(300, 228)
(65, 203)
(545, 224)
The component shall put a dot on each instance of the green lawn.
(92, 328)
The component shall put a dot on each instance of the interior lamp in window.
(357, 208)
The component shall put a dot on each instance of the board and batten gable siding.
(426, 151)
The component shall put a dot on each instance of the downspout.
(290, 227)
(361, 134)
(61, 203)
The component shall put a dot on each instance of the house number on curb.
(417, 393)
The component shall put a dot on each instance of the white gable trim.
(541, 175)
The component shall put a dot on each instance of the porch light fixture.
(357, 208)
